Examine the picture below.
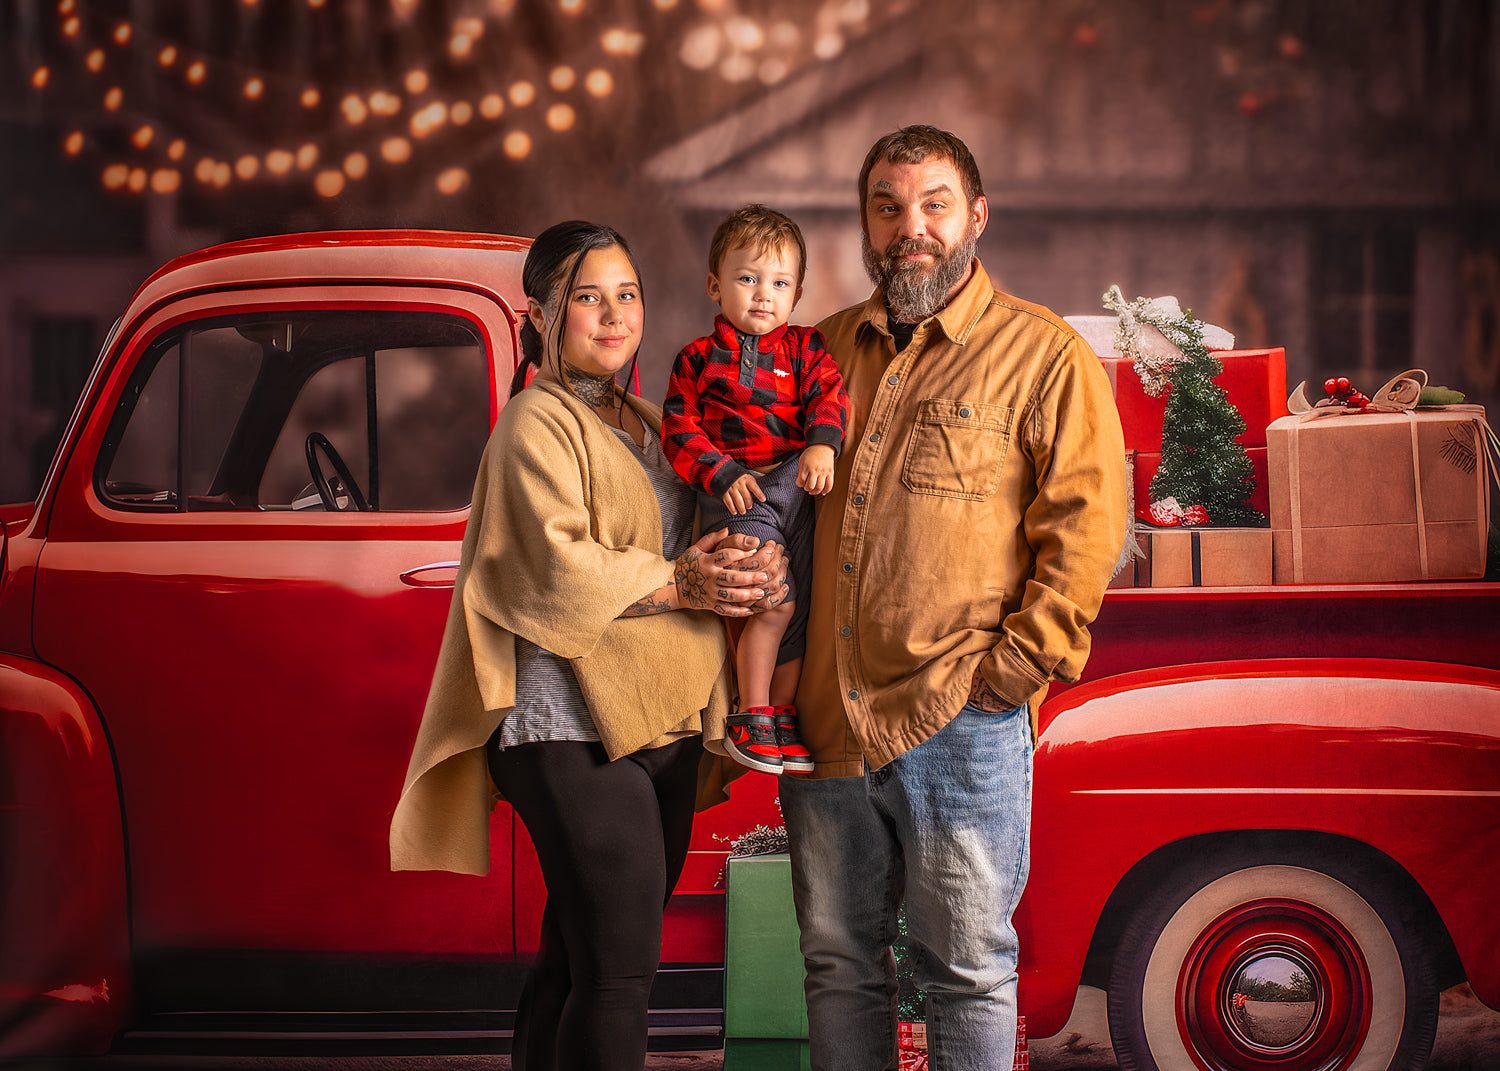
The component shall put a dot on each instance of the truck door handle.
(413, 577)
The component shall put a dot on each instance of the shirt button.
(964, 413)
(859, 500)
(894, 380)
(853, 693)
(848, 567)
(846, 630)
(875, 438)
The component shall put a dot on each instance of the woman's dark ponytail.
(542, 280)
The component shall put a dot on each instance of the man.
(976, 515)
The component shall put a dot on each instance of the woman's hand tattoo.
(692, 585)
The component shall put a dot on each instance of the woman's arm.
(731, 575)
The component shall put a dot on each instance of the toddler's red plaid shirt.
(736, 403)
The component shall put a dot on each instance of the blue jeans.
(948, 824)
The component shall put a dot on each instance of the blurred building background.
(1317, 174)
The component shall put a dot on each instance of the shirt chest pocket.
(956, 448)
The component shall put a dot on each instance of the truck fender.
(64, 916)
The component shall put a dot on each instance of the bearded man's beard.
(913, 292)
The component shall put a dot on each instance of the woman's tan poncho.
(564, 533)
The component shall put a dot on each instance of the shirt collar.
(957, 318)
(728, 336)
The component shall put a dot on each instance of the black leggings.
(611, 838)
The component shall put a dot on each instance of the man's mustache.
(908, 246)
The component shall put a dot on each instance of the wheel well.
(1291, 845)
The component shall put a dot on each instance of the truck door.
(248, 568)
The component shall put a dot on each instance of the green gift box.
(765, 1014)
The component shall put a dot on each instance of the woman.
(581, 658)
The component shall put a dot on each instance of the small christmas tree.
(1203, 470)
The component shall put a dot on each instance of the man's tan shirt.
(977, 513)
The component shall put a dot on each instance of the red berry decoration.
(1331, 385)
(1343, 383)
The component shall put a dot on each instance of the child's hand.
(815, 469)
(743, 493)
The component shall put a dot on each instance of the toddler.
(754, 418)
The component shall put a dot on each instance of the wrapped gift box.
(1366, 497)
(763, 961)
(1207, 557)
(1146, 465)
(1253, 380)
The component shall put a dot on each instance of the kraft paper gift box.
(1208, 557)
(1371, 496)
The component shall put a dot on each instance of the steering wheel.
(318, 442)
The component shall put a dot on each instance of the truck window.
(219, 415)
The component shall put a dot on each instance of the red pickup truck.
(1267, 821)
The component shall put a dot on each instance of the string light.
(115, 176)
(620, 42)
(428, 119)
(517, 144)
(452, 180)
(725, 40)
(329, 183)
(599, 82)
(383, 103)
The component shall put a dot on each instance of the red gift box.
(1147, 464)
(1254, 380)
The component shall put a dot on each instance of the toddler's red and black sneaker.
(751, 740)
(794, 754)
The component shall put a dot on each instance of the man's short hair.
(912, 145)
(762, 229)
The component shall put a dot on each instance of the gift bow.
(1400, 393)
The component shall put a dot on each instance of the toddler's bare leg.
(755, 655)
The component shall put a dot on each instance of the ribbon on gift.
(1153, 332)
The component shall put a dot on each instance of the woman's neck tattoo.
(596, 390)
